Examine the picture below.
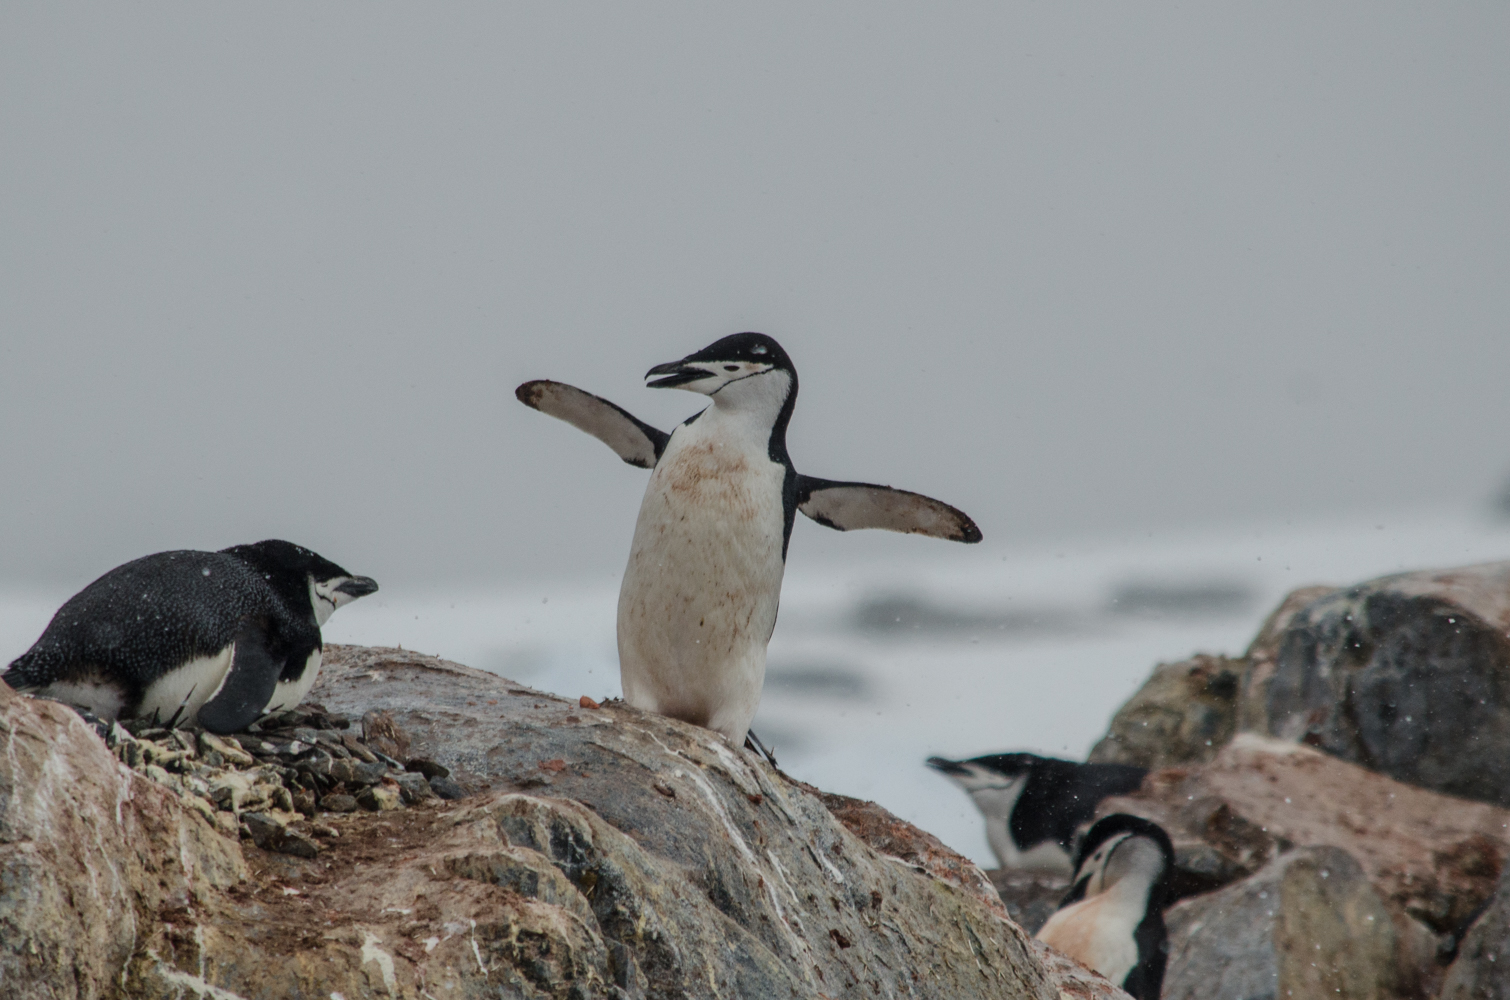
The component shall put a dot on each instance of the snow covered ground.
(876, 666)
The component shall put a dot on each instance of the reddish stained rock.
(1435, 856)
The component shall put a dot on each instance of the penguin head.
(740, 370)
(993, 782)
(1118, 847)
(303, 577)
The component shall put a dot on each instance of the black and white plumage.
(214, 638)
(1112, 919)
(1034, 805)
(698, 602)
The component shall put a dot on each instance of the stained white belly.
(700, 593)
(288, 694)
(184, 691)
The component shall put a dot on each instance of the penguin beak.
(358, 586)
(677, 373)
(947, 766)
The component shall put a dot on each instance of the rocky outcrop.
(1183, 714)
(93, 858)
(1482, 969)
(1308, 926)
(1407, 675)
(1433, 856)
(602, 853)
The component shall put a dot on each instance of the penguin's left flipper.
(633, 440)
(248, 686)
(848, 506)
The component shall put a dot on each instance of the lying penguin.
(1034, 805)
(217, 639)
(699, 596)
(1112, 919)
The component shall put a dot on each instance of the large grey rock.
(1308, 926)
(601, 852)
(1408, 675)
(1482, 969)
(1183, 714)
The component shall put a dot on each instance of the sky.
(1079, 269)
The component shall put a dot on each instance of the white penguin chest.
(704, 575)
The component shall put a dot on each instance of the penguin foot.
(752, 742)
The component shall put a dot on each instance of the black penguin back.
(147, 617)
(1062, 794)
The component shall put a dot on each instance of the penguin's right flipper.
(248, 686)
(633, 440)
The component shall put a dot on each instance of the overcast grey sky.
(275, 269)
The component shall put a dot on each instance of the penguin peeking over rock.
(215, 639)
(1112, 919)
(1034, 806)
(698, 601)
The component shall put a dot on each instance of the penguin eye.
(731, 368)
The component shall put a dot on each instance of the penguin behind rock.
(1112, 919)
(1034, 805)
(698, 602)
(214, 638)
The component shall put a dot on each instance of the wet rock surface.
(1184, 713)
(1433, 856)
(1482, 969)
(1408, 675)
(1307, 926)
(599, 852)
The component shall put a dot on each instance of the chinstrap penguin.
(1034, 805)
(698, 601)
(217, 639)
(1112, 919)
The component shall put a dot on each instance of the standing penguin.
(1112, 919)
(214, 638)
(1034, 805)
(699, 597)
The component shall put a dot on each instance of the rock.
(272, 834)
(428, 768)
(228, 748)
(89, 851)
(1434, 856)
(1030, 897)
(1482, 969)
(1309, 926)
(340, 802)
(380, 798)
(1406, 675)
(1183, 714)
(414, 788)
(382, 734)
(446, 788)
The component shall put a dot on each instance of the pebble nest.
(271, 783)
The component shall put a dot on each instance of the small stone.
(587, 702)
(271, 834)
(384, 735)
(322, 830)
(339, 803)
(429, 768)
(414, 787)
(447, 788)
(380, 798)
(357, 750)
(305, 803)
